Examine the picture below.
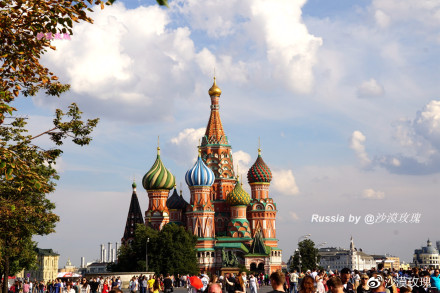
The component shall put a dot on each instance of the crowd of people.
(378, 280)
(81, 285)
(375, 280)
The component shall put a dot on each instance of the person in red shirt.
(105, 286)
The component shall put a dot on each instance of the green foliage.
(26, 177)
(309, 256)
(162, 2)
(24, 260)
(171, 250)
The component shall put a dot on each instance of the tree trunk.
(6, 274)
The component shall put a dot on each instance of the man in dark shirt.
(94, 286)
(168, 284)
(345, 278)
(277, 280)
(229, 283)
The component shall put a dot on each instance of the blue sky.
(344, 95)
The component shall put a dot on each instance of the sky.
(344, 96)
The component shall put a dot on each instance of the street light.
(316, 256)
(299, 251)
(146, 254)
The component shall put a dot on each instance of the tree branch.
(43, 133)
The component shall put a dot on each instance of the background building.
(68, 268)
(338, 258)
(427, 256)
(47, 266)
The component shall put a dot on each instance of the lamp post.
(299, 251)
(146, 254)
(316, 256)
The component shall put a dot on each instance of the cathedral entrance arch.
(253, 267)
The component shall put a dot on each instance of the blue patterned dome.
(199, 174)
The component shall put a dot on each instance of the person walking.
(363, 287)
(85, 288)
(168, 284)
(253, 284)
(105, 286)
(294, 282)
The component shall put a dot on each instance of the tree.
(26, 171)
(171, 250)
(309, 256)
(26, 176)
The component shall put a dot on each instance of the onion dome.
(158, 177)
(176, 202)
(199, 174)
(134, 185)
(215, 90)
(259, 172)
(238, 196)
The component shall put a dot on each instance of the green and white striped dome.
(158, 177)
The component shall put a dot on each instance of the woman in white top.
(68, 289)
(253, 284)
(85, 288)
(319, 282)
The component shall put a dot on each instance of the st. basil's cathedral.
(233, 227)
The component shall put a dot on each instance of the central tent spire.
(214, 131)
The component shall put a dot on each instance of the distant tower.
(158, 182)
(102, 254)
(351, 243)
(134, 217)
(216, 154)
(83, 262)
(116, 250)
(262, 211)
(110, 252)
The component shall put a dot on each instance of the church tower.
(238, 200)
(158, 182)
(262, 211)
(200, 211)
(217, 155)
(134, 217)
(177, 207)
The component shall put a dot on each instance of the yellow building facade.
(47, 266)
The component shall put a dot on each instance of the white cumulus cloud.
(280, 39)
(357, 144)
(294, 216)
(426, 12)
(370, 88)
(284, 182)
(242, 162)
(372, 194)
(427, 123)
(183, 147)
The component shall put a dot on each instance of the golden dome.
(215, 90)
